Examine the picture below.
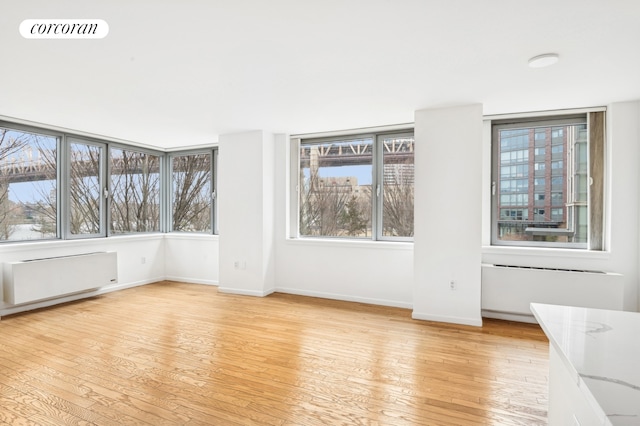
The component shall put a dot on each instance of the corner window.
(192, 192)
(357, 187)
(56, 185)
(563, 189)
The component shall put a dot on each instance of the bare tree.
(46, 208)
(323, 206)
(11, 143)
(85, 191)
(354, 220)
(192, 193)
(398, 200)
(135, 192)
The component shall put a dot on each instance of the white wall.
(622, 188)
(448, 211)
(245, 227)
(191, 258)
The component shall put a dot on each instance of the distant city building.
(541, 187)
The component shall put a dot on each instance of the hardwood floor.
(173, 354)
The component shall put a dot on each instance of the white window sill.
(351, 243)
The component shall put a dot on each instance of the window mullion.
(106, 190)
(377, 190)
(61, 190)
(596, 183)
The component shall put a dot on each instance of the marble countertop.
(601, 349)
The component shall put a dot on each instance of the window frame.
(60, 142)
(549, 119)
(161, 155)
(168, 194)
(378, 169)
(103, 183)
(65, 138)
(377, 180)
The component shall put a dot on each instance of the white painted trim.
(509, 317)
(191, 280)
(12, 247)
(189, 236)
(347, 132)
(72, 132)
(349, 243)
(212, 145)
(447, 319)
(534, 114)
(345, 298)
(255, 293)
(546, 252)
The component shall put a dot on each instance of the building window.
(395, 180)
(562, 207)
(28, 185)
(192, 192)
(86, 188)
(357, 186)
(135, 191)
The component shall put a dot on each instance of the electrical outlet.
(236, 264)
(453, 285)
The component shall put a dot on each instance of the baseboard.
(509, 316)
(346, 298)
(191, 280)
(442, 318)
(243, 292)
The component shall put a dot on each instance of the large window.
(61, 186)
(192, 192)
(357, 186)
(548, 174)
(28, 185)
(135, 191)
(86, 188)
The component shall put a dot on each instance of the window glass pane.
(335, 188)
(84, 189)
(192, 199)
(135, 192)
(397, 188)
(566, 148)
(28, 200)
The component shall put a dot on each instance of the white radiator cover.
(511, 289)
(39, 279)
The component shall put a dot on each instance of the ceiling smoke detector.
(545, 60)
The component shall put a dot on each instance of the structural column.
(246, 213)
(448, 210)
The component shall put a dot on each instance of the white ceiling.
(177, 73)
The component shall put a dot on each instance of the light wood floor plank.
(174, 353)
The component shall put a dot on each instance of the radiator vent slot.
(550, 269)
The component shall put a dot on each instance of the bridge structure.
(356, 152)
(27, 166)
